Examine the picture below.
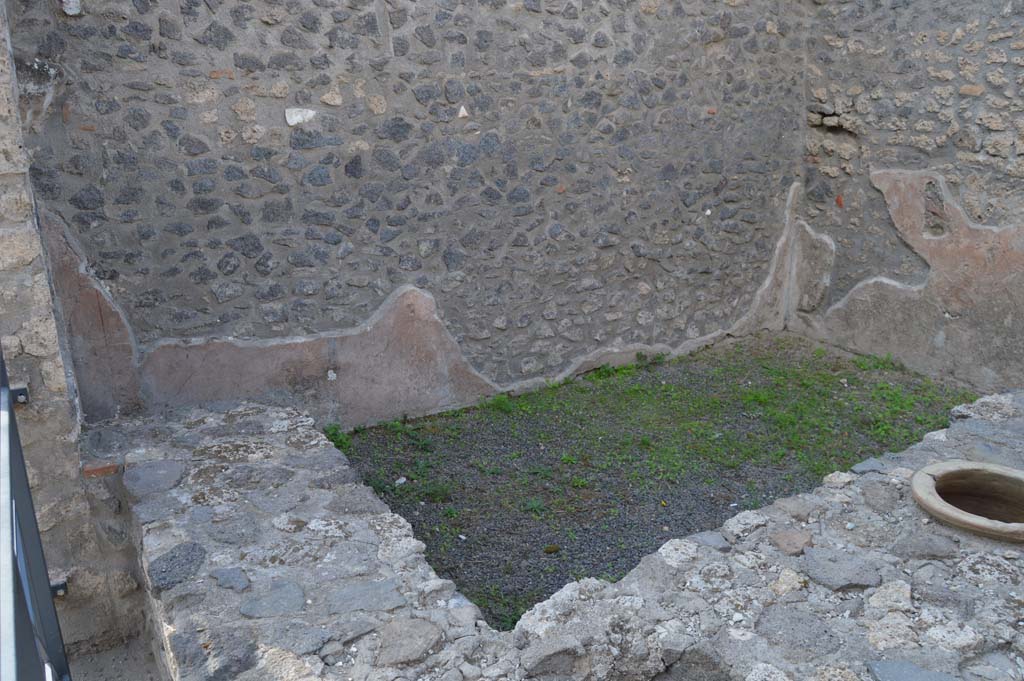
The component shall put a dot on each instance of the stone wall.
(564, 178)
(94, 564)
(913, 168)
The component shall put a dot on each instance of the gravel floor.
(521, 495)
(133, 660)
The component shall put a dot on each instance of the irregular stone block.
(892, 596)
(282, 598)
(800, 507)
(904, 671)
(219, 655)
(149, 477)
(742, 524)
(791, 542)
(801, 635)
(554, 657)
(765, 672)
(713, 539)
(922, 543)
(379, 596)
(406, 640)
(18, 248)
(175, 566)
(838, 570)
(298, 116)
(870, 465)
(233, 578)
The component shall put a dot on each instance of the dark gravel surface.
(520, 496)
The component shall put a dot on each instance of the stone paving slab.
(265, 558)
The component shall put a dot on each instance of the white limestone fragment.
(892, 597)
(991, 407)
(744, 523)
(298, 116)
(895, 630)
(678, 552)
(788, 581)
(766, 672)
(952, 637)
(73, 8)
(839, 479)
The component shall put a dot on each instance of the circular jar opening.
(984, 498)
(984, 493)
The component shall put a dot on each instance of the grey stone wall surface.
(561, 176)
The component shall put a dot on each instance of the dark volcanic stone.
(88, 198)
(216, 35)
(395, 129)
(193, 146)
(282, 598)
(177, 565)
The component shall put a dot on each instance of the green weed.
(338, 437)
(505, 607)
(535, 507)
(873, 363)
(501, 403)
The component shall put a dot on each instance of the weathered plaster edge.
(869, 282)
(362, 327)
(947, 196)
(83, 269)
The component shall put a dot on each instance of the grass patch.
(873, 363)
(504, 608)
(338, 437)
(608, 466)
(500, 403)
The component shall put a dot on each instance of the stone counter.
(265, 558)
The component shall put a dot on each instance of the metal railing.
(31, 645)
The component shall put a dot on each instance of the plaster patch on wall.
(402, 360)
(102, 346)
(972, 298)
(816, 254)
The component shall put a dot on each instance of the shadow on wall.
(964, 321)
